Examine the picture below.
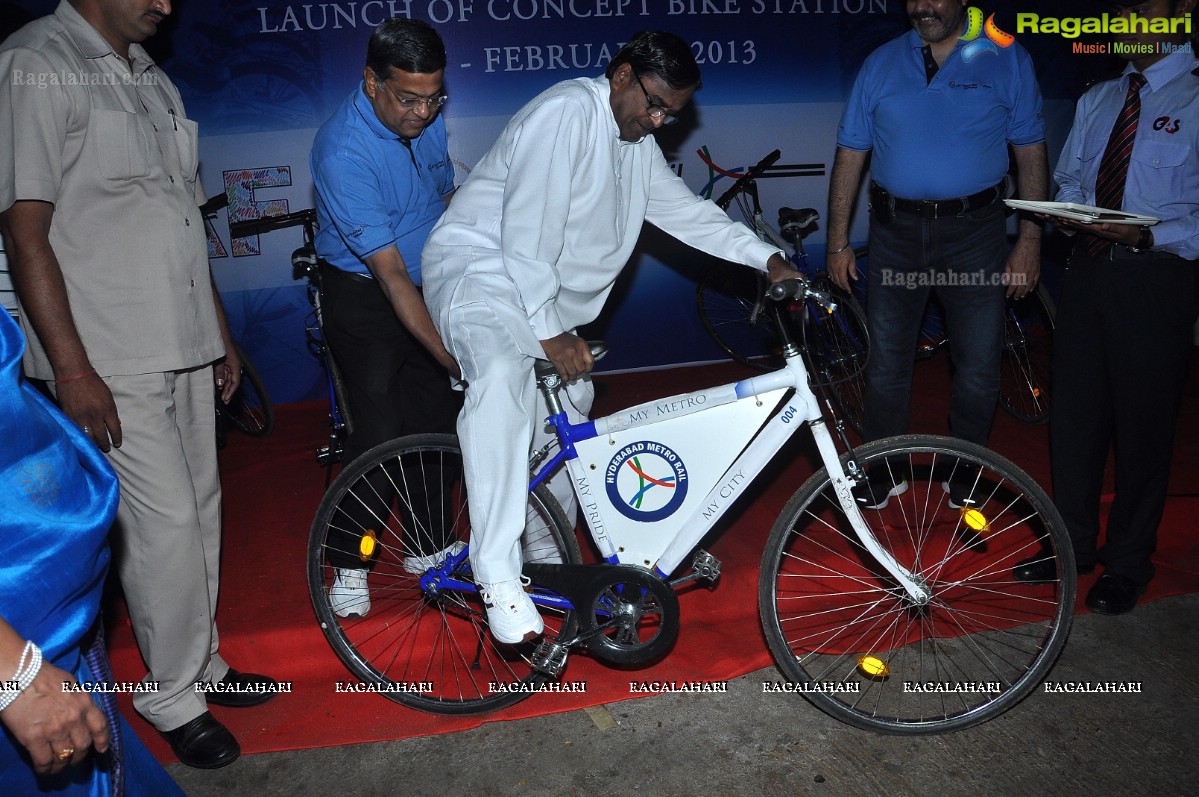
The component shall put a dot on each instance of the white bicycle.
(902, 619)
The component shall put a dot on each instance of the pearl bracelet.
(24, 675)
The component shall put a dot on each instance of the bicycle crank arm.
(704, 567)
(626, 615)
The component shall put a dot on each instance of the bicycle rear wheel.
(735, 314)
(1025, 372)
(838, 345)
(843, 629)
(250, 410)
(422, 644)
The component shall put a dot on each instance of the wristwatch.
(1144, 243)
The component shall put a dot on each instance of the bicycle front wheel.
(1024, 377)
(394, 515)
(250, 410)
(844, 631)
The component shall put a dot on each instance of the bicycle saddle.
(543, 368)
(795, 224)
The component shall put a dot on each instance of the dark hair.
(408, 45)
(656, 52)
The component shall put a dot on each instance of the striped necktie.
(1113, 168)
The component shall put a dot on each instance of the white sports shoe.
(510, 611)
(419, 564)
(350, 596)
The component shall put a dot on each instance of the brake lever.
(797, 288)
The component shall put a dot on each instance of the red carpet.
(272, 488)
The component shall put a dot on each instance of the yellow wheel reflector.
(366, 546)
(873, 666)
(975, 519)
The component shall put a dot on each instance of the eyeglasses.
(655, 110)
(412, 103)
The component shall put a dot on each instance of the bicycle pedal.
(705, 566)
(549, 658)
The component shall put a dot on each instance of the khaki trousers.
(167, 537)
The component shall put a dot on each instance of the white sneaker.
(419, 564)
(511, 613)
(350, 596)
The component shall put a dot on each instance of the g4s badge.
(1167, 124)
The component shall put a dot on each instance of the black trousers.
(394, 388)
(1125, 327)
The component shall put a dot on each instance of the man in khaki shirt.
(98, 208)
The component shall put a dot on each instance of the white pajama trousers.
(500, 424)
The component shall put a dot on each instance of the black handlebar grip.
(786, 289)
(752, 174)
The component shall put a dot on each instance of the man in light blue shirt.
(1127, 312)
(935, 116)
(383, 177)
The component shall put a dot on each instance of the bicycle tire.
(435, 639)
(836, 620)
(250, 410)
(838, 346)
(1025, 377)
(734, 314)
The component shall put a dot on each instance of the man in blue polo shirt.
(383, 177)
(938, 117)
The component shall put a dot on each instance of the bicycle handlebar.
(801, 289)
(214, 204)
(751, 174)
(241, 229)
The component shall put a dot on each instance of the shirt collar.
(362, 104)
(1165, 70)
(919, 44)
(603, 91)
(92, 45)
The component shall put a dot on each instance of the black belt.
(340, 273)
(1122, 254)
(939, 208)
(352, 276)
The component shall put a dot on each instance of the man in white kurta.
(529, 251)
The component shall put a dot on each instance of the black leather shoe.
(1114, 594)
(240, 689)
(204, 743)
(1041, 569)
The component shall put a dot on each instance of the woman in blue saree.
(58, 497)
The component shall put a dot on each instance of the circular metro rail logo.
(646, 481)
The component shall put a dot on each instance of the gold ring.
(65, 753)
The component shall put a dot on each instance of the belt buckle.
(928, 209)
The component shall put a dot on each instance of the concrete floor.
(749, 743)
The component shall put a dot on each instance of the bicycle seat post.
(549, 382)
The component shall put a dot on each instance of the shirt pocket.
(1159, 154)
(122, 145)
(1160, 168)
(187, 137)
(1088, 168)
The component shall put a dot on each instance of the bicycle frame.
(665, 534)
(660, 536)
